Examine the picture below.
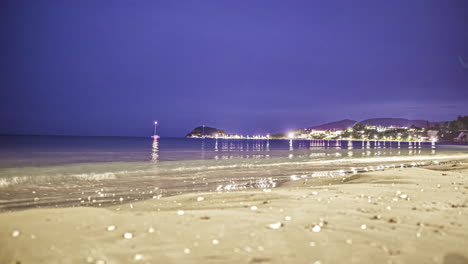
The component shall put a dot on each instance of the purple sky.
(112, 67)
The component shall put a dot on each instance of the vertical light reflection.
(203, 148)
(155, 150)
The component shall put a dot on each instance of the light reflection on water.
(222, 149)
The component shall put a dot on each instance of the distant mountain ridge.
(385, 122)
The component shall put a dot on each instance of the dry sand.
(415, 215)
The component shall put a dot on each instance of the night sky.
(113, 67)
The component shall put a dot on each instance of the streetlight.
(154, 131)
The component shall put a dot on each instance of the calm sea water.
(76, 171)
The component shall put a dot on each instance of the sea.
(67, 171)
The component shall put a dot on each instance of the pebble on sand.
(111, 228)
(199, 199)
(316, 228)
(15, 233)
(180, 212)
(128, 235)
(138, 257)
(276, 225)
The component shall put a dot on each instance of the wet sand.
(412, 215)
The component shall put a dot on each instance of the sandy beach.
(412, 215)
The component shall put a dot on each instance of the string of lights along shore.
(357, 132)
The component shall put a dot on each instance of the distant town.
(388, 129)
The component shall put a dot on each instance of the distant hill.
(386, 122)
(205, 131)
(336, 125)
(397, 122)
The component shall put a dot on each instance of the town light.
(291, 135)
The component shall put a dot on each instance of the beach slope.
(414, 215)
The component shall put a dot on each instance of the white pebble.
(316, 228)
(253, 208)
(15, 233)
(151, 230)
(215, 242)
(275, 225)
(287, 218)
(187, 251)
(128, 235)
(111, 228)
(363, 227)
(180, 212)
(138, 257)
(200, 199)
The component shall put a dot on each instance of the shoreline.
(356, 165)
(391, 216)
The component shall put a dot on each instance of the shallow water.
(40, 171)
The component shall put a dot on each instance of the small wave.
(94, 176)
(4, 182)
(15, 180)
(319, 162)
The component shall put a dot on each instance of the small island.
(204, 131)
